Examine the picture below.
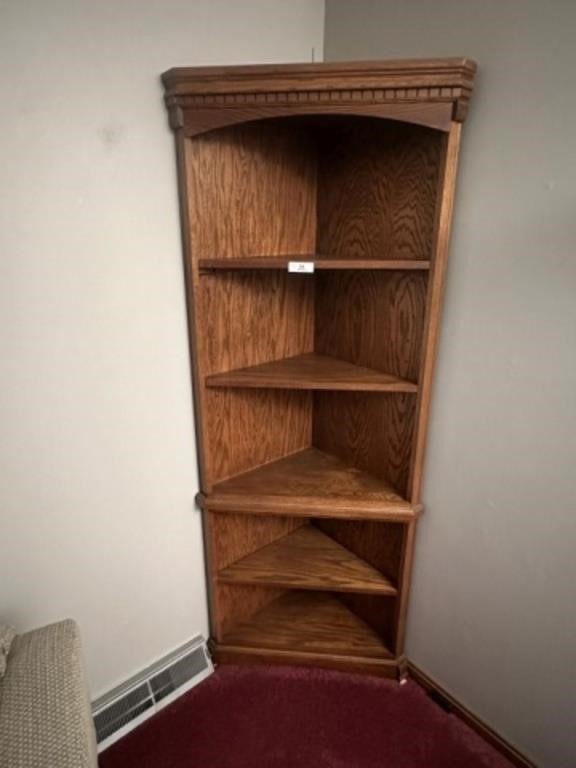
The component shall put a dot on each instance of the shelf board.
(312, 371)
(310, 483)
(308, 559)
(321, 261)
(309, 621)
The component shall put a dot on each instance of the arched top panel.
(195, 122)
(431, 92)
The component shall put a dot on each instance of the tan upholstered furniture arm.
(45, 717)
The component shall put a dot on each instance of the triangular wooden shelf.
(308, 559)
(308, 621)
(320, 262)
(310, 483)
(312, 371)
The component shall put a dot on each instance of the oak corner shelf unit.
(316, 202)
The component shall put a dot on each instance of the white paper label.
(304, 267)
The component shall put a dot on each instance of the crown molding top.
(405, 81)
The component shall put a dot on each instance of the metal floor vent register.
(124, 708)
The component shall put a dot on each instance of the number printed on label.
(304, 267)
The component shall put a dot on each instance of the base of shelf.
(223, 653)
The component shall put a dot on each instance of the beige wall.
(97, 459)
(493, 614)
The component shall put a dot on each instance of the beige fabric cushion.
(45, 716)
(7, 634)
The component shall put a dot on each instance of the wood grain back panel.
(254, 317)
(379, 613)
(238, 604)
(379, 544)
(372, 432)
(374, 319)
(252, 191)
(235, 536)
(247, 319)
(250, 427)
(377, 183)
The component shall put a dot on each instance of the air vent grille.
(107, 723)
(124, 708)
(178, 674)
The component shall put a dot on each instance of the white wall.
(493, 614)
(97, 456)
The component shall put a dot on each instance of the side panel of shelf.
(446, 192)
(444, 209)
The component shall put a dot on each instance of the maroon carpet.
(280, 717)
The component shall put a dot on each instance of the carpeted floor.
(281, 717)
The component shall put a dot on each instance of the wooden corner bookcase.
(316, 202)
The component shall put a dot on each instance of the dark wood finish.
(311, 371)
(377, 187)
(310, 483)
(308, 559)
(315, 622)
(312, 392)
(253, 190)
(321, 262)
(429, 91)
(450, 704)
